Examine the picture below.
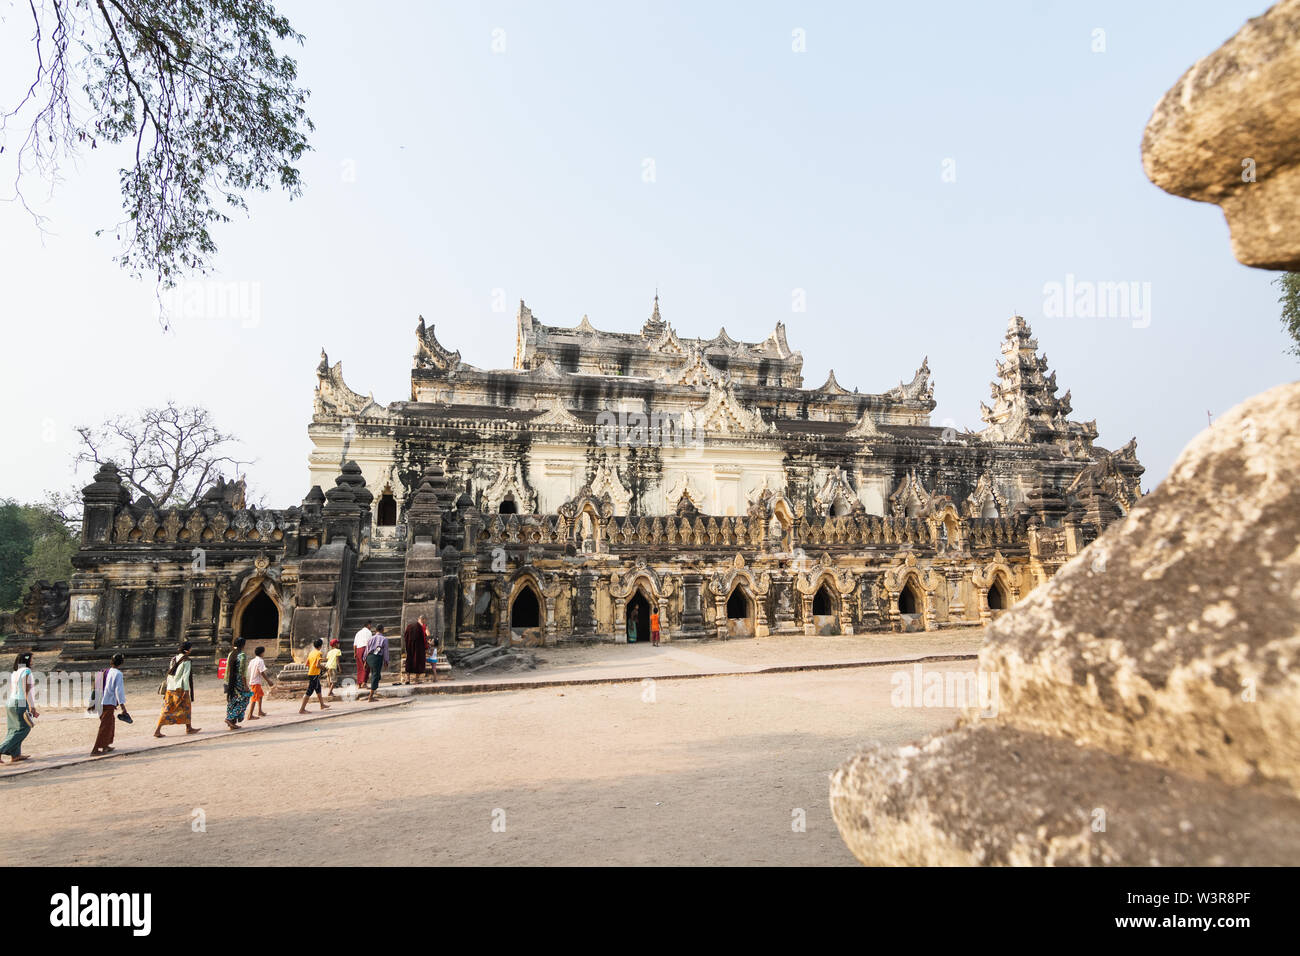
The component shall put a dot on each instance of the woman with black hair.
(179, 692)
(19, 708)
(238, 693)
(111, 696)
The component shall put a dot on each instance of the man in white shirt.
(359, 644)
(257, 683)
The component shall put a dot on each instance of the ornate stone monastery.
(609, 474)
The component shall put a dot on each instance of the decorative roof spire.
(655, 325)
(1026, 407)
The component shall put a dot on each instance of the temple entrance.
(386, 510)
(508, 507)
(740, 621)
(997, 597)
(525, 612)
(909, 607)
(260, 620)
(825, 618)
(638, 619)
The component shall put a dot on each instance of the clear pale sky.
(452, 180)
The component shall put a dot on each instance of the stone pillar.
(549, 636)
(584, 604)
(956, 610)
(424, 591)
(101, 499)
(620, 620)
(760, 615)
(784, 603)
(692, 613)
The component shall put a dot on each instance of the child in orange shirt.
(313, 677)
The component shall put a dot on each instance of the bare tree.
(205, 108)
(171, 454)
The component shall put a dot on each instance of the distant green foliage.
(1289, 283)
(35, 545)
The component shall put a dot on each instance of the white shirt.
(362, 638)
(114, 689)
(255, 671)
(18, 686)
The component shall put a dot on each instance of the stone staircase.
(376, 596)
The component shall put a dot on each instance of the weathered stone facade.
(607, 475)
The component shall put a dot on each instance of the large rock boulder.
(1229, 133)
(1148, 707)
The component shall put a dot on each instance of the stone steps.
(376, 595)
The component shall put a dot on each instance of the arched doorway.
(260, 619)
(998, 596)
(909, 602)
(508, 506)
(638, 614)
(386, 510)
(740, 621)
(526, 610)
(826, 620)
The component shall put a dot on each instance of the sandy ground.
(709, 771)
(69, 730)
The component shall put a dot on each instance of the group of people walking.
(108, 700)
(370, 648)
(245, 681)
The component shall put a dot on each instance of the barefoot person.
(332, 666)
(111, 698)
(654, 629)
(258, 682)
(313, 677)
(415, 647)
(20, 709)
(178, 701)
(237, 692)
(376, 658)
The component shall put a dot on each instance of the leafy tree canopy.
(1289, 282)
(35, 545)
(197, 93)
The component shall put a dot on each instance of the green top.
(181, 679)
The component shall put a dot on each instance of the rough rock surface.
(1156, 677)
(988, 795)
(1232, 118)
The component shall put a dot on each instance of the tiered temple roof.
(1026, 407)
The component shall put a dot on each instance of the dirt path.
(709, 771)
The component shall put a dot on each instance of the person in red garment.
(415, 648)
(654, 629)
(359, 643)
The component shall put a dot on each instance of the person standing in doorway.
(631, 630)
(654, 628)
(376, 658)
(415, 648)
(178, 702)
(313, 677)
(359, 644)
(20, 709)
(111, 698)
(237, 692)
